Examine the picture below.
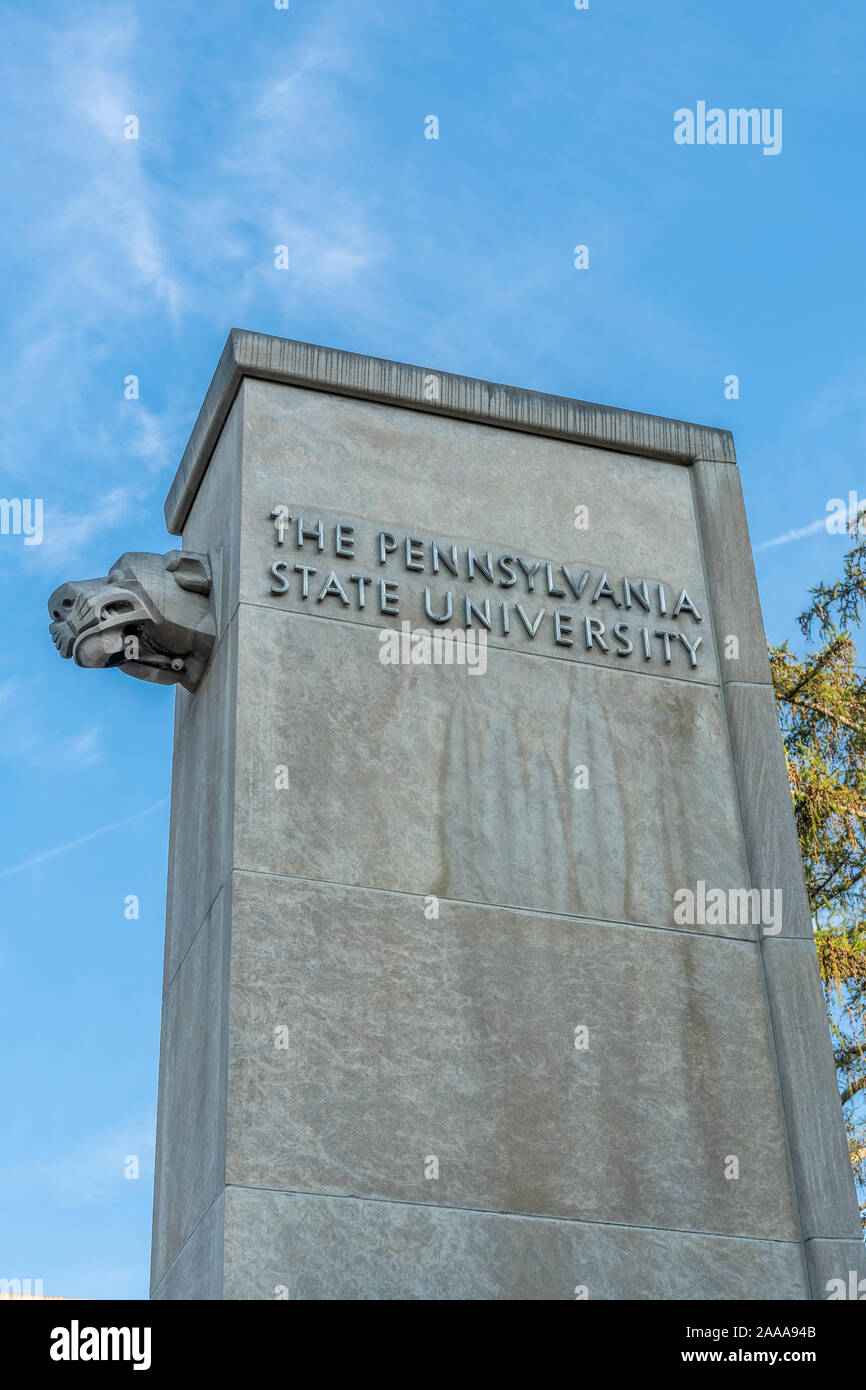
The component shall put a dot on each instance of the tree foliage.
(822, 708)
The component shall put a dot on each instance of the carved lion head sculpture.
(150, 617)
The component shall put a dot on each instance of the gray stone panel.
(822, 1167)
(197, 1270)
(765, 803)
(190, 1156)
(321, 1248)
(435, 780)
(730, 570)
(202, 801)
(411, 1036)
(214, 521)
(392, 469)
(831, 1262)
(520, 618)
(255, 355)
(454, 1038)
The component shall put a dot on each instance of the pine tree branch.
(828, 714)
(850, 1091)
(817, 665)
(854, 879)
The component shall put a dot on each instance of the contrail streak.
(73, 844)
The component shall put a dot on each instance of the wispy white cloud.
(83, 749)
(93, 65)
(797, 534)
(88, 1173)
(44, 855)
(291, 125)
(124, 253)
(68, 535)
(854, 510)
(32, 738)
(150, 438)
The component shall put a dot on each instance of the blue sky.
(305, 127)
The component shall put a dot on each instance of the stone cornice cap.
(397, 383)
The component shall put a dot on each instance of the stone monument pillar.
(489, 970)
